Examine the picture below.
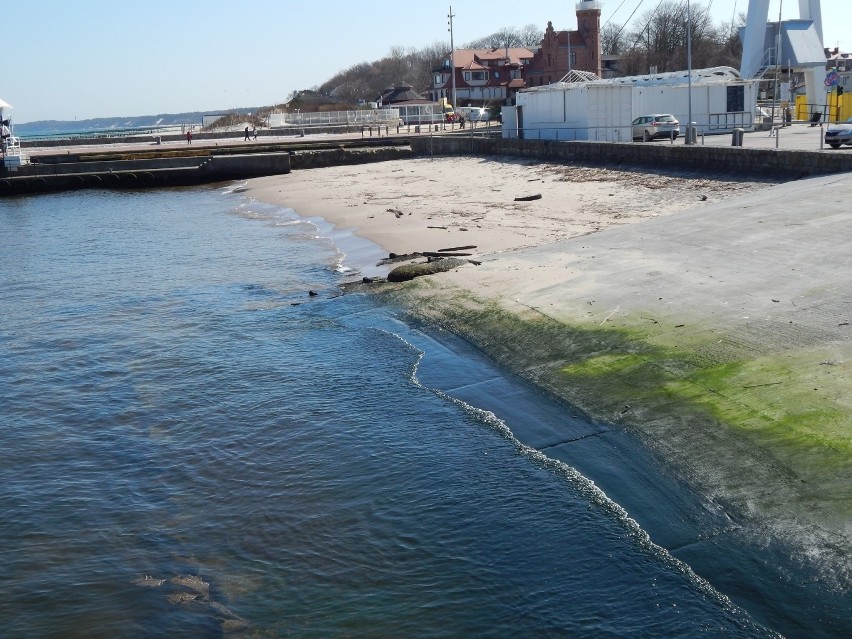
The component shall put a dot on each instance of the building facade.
(564, 51)
(482, 76)
(494, 76)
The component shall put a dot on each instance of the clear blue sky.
(67, 59)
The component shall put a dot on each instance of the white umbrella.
(4, 104)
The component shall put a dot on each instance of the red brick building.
(494, 76)
(564, 51)
(482, 76)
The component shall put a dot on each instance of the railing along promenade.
(136, 165)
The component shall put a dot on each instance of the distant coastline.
(118, 125)
(71, 133)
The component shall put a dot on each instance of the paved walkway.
(798, 136)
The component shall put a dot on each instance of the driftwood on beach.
(408, 272)
(439, 261)
(453, 254)
(453, 251)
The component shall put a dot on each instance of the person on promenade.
(247, 134)
(254, 132)
(189, 137)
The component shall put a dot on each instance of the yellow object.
(838, 108)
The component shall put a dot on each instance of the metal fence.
(591, 134)
(333, 118)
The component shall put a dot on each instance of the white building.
(10, 146)
(719, 100)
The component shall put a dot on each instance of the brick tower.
(589, 24)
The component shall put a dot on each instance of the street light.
(452, 56)
(689, 129)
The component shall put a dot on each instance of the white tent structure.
(719, 99)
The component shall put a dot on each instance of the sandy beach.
(426, 205)
(708, 313)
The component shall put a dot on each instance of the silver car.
(840, 133)
(655, 126)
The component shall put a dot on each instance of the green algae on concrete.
(746, 428)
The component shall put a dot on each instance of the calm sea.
(192, 446)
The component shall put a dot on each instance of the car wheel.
(646, 137)
(834, 145)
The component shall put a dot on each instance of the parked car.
(474, 114)
(655, 126)
(840, 133)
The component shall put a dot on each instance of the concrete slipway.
(721, 335)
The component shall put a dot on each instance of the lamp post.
(689, 129)
(452, 57)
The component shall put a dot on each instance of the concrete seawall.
(342, 156)
(715, 158)
(293, 132)
(204, 164)
(141, 173)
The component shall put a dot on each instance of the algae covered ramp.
(722, 336)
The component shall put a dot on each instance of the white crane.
(754, 59)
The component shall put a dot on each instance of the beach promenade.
(798, 136)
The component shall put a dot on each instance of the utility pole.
(689, 130)
(452, 56)
(776, 90)
(569, 55)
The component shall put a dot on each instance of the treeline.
(658, 39)
(368, 80)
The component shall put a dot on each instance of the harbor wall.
(211, 164)
(342, 156)
(698, 157)
(141, 173)
(155, 139)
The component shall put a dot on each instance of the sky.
(80, 59)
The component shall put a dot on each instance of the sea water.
(193, 445)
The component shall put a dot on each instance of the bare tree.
(613, 39)
(529, 36)
(368, 80)
(661, 39)
(426, 61)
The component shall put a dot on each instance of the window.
(736, 98)
(479, 76)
